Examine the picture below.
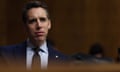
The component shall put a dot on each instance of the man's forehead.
(37, 12)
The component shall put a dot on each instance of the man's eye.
(42, 19)
(32, 20)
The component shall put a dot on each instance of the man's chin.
(40, 38)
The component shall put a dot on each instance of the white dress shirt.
(43, 55)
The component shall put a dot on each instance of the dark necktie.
(36, 61)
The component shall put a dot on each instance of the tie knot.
(36, 50)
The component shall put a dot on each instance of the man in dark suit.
(37, 24)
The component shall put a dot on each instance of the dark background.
(76, 24)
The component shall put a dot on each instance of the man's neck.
(36, 43)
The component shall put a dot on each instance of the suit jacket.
(14, 54)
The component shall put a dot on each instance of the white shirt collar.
(43, 46)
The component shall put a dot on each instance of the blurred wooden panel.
(15, 27)
(78, 68)
(81, 23)
(3, 24)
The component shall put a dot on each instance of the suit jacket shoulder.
(12, 54)
(13, 49)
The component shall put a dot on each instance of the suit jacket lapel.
(52, 58)
(51, 52)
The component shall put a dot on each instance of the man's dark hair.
(34, 4)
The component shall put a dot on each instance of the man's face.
(37, 23)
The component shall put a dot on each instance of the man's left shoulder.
(56, 54)
(60, 54)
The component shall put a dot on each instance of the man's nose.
(38, 24)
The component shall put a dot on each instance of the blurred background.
(76, 24)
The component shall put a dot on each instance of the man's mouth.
(39, 33)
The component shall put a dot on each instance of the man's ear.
(49, 25)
